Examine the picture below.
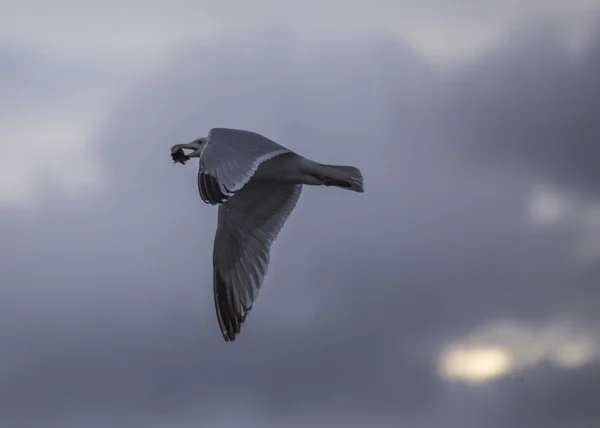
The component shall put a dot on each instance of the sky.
(460, 290)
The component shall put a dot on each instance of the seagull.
(256, 184)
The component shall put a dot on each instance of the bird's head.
(178, 154)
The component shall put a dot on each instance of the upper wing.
(247, 226)
(229, 159)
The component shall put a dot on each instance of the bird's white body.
(256, 182)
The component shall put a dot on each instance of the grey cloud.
(533, 105)
(32, 81)
(107, 301)
(105, 269)
(548, 396)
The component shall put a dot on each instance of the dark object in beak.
(179, 156)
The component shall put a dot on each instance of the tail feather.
(346, 177)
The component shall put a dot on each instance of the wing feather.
(210, 191)
(248, 224)
(229, 159)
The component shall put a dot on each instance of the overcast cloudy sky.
(460, 290)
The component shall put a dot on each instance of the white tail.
(345, 177)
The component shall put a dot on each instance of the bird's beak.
(195, 148)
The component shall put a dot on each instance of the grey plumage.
(256, 182)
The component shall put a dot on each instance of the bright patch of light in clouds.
(475, 365)
(504, 347)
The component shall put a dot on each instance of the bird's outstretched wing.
(247, 226)
(229, 159)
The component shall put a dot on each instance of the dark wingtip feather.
(210, 191)
(230, 320)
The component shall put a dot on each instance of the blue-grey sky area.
(460, 290)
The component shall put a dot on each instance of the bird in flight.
(256, 183)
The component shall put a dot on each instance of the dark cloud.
(534, 104)
(107, 310)
(548, 396)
